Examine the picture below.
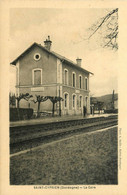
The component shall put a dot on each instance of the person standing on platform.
(84, 111)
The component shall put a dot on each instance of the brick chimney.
(79, 61)
(48, 43)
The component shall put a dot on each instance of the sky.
(68, 30)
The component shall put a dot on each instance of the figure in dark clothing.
(84, 111)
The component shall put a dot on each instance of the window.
(86, 83)
(80, 101)
(66, 100)
(66, 77)
(37, 76)
(74, 101)
(80, 81)
(86, 101)
(37, 56)
(73, 79)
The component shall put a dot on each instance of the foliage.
(25, 96)
(98, 105)
(12, 99)
(108, 29)
(111, 111)
(38, 100)
(54, 100)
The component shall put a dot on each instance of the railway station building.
(41, 71)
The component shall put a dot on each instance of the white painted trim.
(74, 108)
(67, 100)
(72, 79)
(52, 84)
(67, 76)
(36, 58)
(17, 78)
(59, 71)
(33, 75)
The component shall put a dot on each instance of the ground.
(84, 159)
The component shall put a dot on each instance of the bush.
(24, 113)
(111, 111)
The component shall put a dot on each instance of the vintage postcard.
(63, 97)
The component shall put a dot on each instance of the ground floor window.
(74, 101)
(86, 101)
(66, 100)
(80, 101)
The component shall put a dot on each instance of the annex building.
(41, 71)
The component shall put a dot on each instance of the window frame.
(80, 82)
(37, 59)
(65, 75)
(67, 107)
(86, 84)
(80, 96)
(73, 73)
(74, 107)
(33, 79)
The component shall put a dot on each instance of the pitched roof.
(53, 53)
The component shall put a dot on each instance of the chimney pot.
(79, 61)
(48, 43)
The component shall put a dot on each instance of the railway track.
(26, 137)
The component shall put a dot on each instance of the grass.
(84, 159)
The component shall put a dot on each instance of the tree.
(54, 100)
(38, 100)
(100, 105)
(22, 96)
(12, 99)
(25, 96)
(107, 26)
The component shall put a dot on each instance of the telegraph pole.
(59, 103)
(113, 99)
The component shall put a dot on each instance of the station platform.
(45, 120)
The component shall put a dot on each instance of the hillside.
(107, 98)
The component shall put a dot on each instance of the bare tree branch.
(104, 19)
(107, 27)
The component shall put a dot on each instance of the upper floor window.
(66, 77)
(37, 76)
(80, 81)
(73, 79)
(37, 56)
(86, 83)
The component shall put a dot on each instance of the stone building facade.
(40, 71)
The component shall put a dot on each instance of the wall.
(49, 77)
(27, 64)
(77, 71)
(52, 76)
(76, 90)
(45, 106)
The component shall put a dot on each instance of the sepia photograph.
(63, 96)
